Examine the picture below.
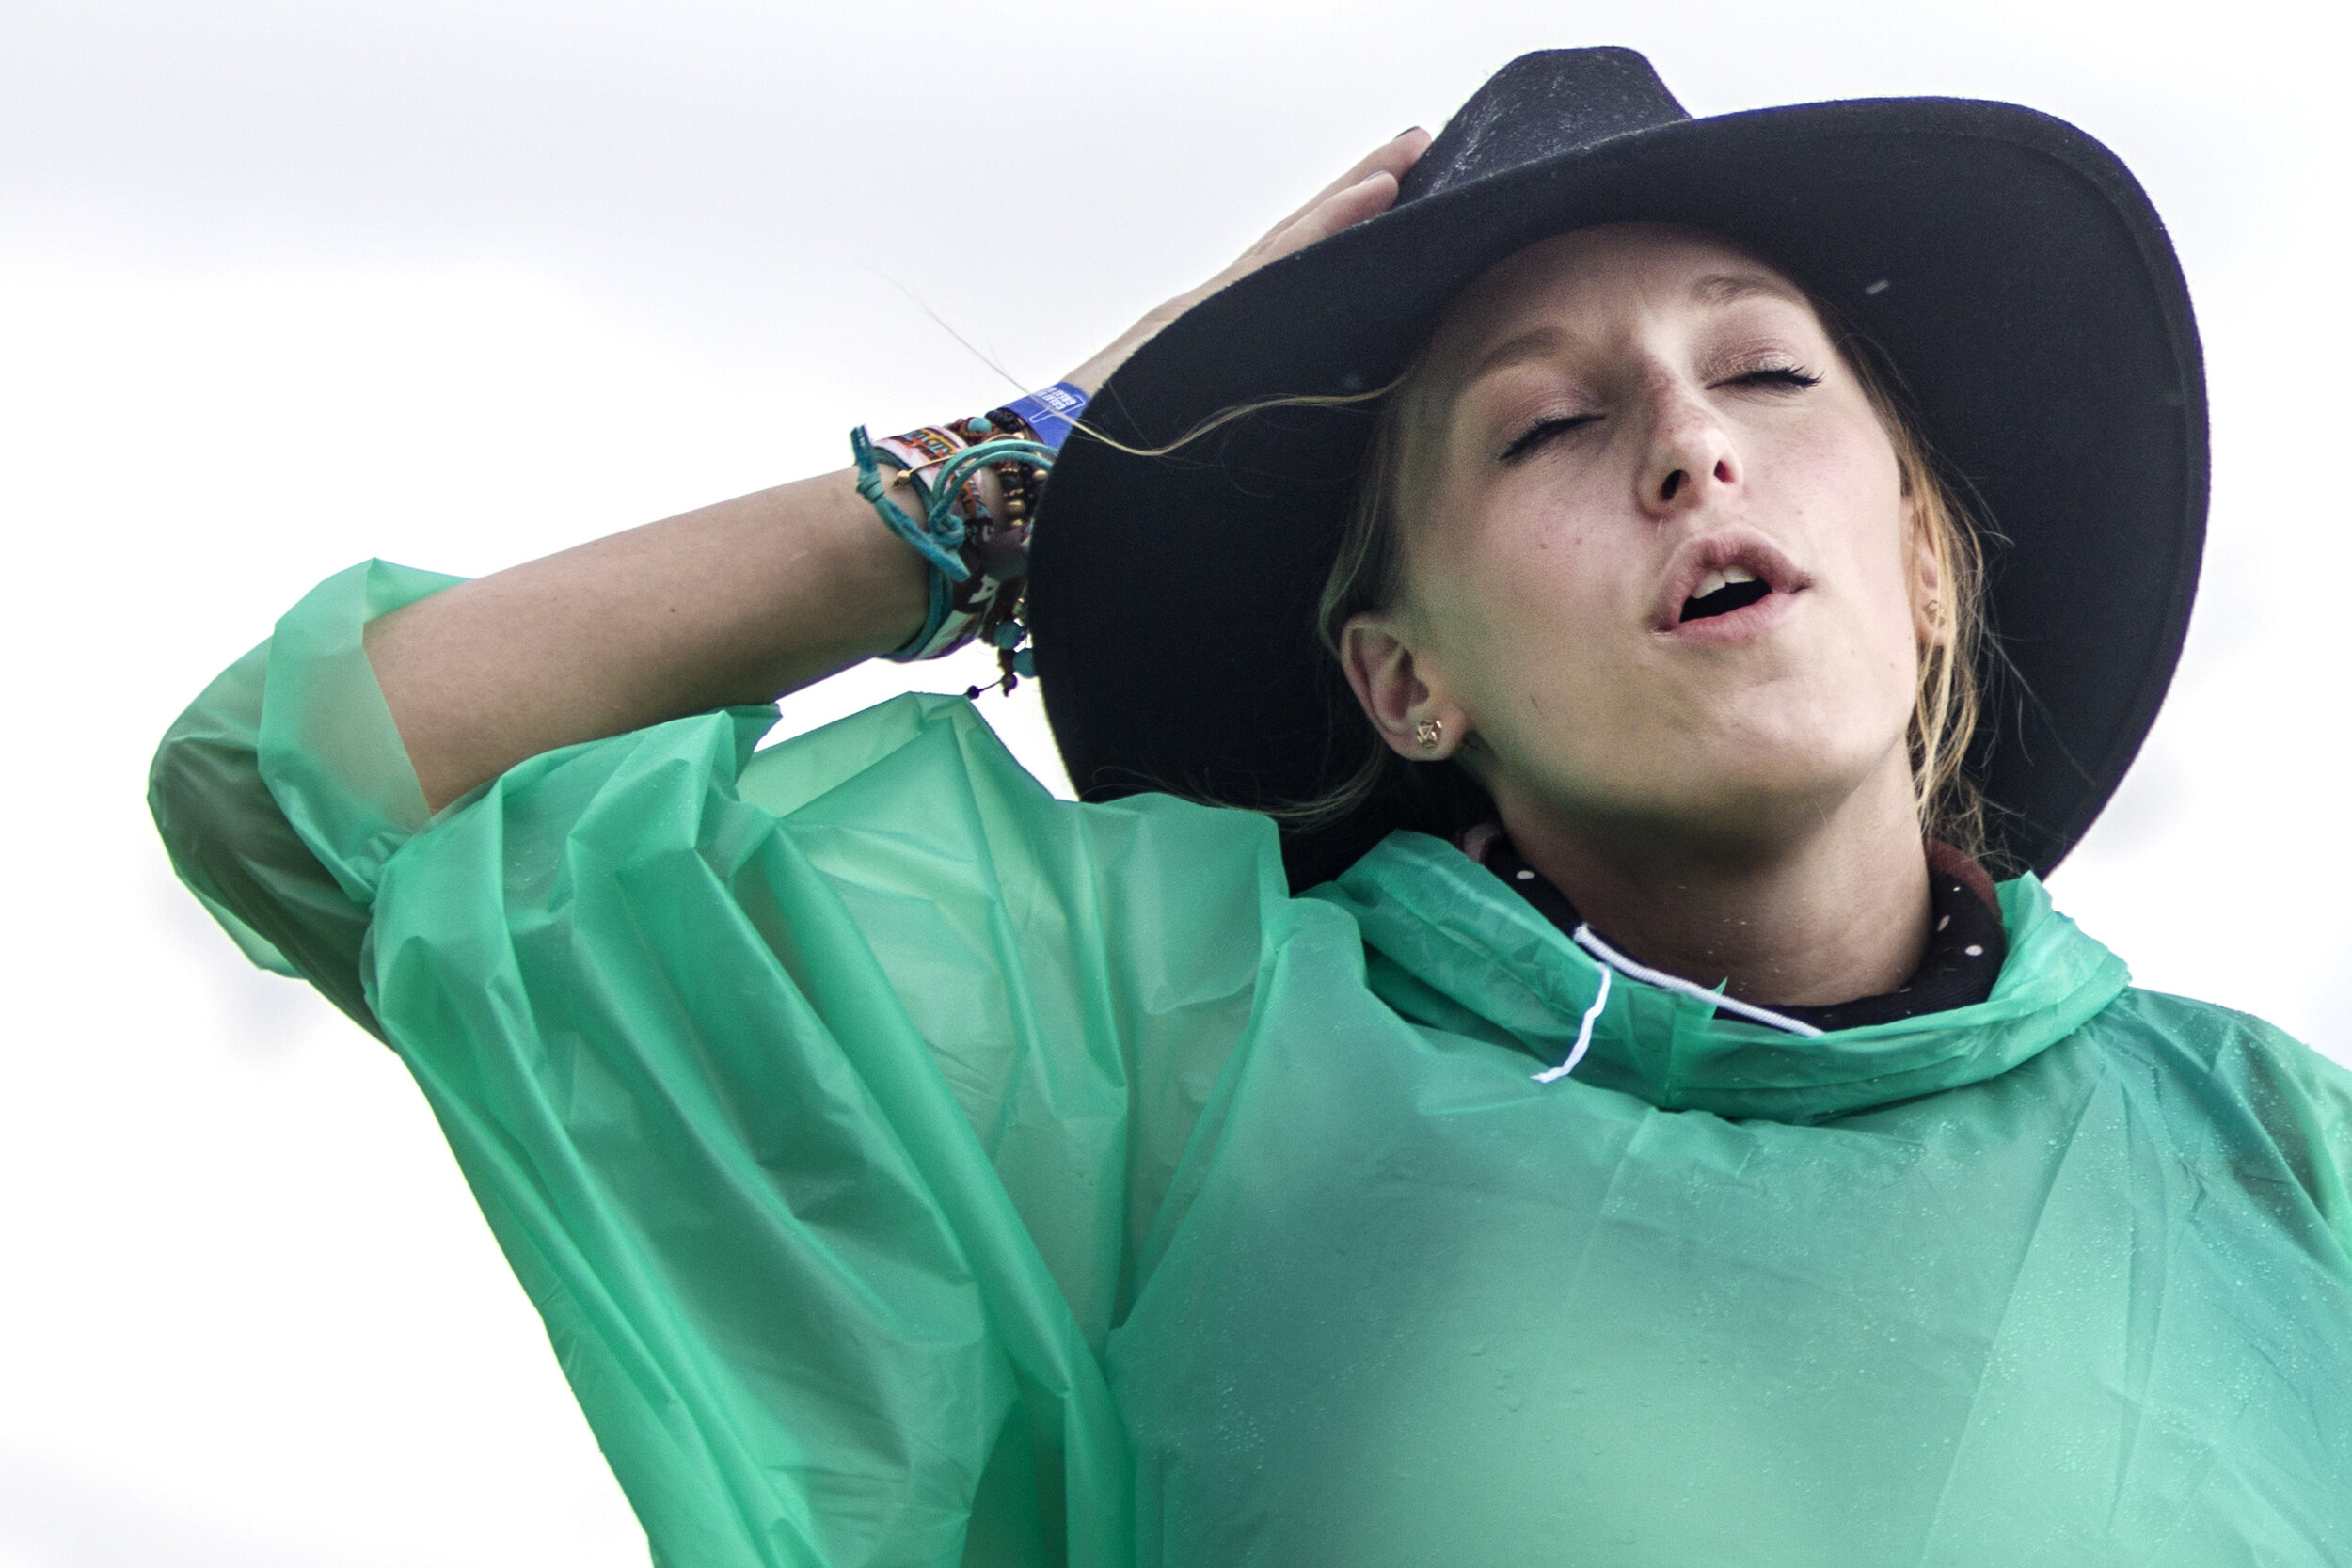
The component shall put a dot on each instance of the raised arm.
(740, 602)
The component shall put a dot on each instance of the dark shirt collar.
(1966, 942)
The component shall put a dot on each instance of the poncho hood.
(1448, 944)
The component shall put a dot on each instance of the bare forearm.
(735, 603)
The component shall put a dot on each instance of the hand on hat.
(1364, 191)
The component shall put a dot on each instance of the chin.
(1752, 792)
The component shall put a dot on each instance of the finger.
(1394, 156)
(1368, 197)
(1391, 157)
(1340, 206)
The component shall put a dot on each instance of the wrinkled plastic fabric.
(913, 1168)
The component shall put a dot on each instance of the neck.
(1836, 911)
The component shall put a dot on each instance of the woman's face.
(1659, 567)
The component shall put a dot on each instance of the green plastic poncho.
(913, 1168)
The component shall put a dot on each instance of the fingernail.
(1407, 132)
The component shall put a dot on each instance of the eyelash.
(1541, 431)
(1784, 375)
(1779, 377)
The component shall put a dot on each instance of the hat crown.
(1539, 106)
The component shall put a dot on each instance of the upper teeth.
(1723, 579)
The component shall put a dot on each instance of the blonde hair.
(1367, 575)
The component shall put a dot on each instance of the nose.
(1691, 461)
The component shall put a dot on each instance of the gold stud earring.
(1429, 732)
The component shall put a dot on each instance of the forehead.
(1593, 278)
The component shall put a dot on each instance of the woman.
(1609, 1120)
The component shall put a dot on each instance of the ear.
(1398, 690)
(1931, 615)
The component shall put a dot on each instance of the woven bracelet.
(978, 561)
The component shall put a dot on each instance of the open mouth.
(1725, 588)
(1721, 592)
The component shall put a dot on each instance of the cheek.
(1537, 641)
(1881, 549)
(1861, 535)
(1528, 591)
(1835, 488)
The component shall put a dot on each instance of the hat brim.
(2009, 267)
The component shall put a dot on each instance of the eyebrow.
(1726, 287)
(1531, 344)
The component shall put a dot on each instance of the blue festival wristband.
(1050, 414)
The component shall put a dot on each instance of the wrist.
(963, 495)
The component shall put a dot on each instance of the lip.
(1741, 547)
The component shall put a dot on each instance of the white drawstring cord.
(1584, 1035)
(1582, 936)
(1612, 959)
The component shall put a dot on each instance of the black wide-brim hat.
(2007, 266)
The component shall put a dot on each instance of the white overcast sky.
(286, 285)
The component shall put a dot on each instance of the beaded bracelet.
(979, 560)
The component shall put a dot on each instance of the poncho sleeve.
(820, 1097)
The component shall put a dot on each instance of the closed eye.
(1768, 378)
(1544, 431)
(1787, 377)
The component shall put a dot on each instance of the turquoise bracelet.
(959, 607)
(937, 537)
